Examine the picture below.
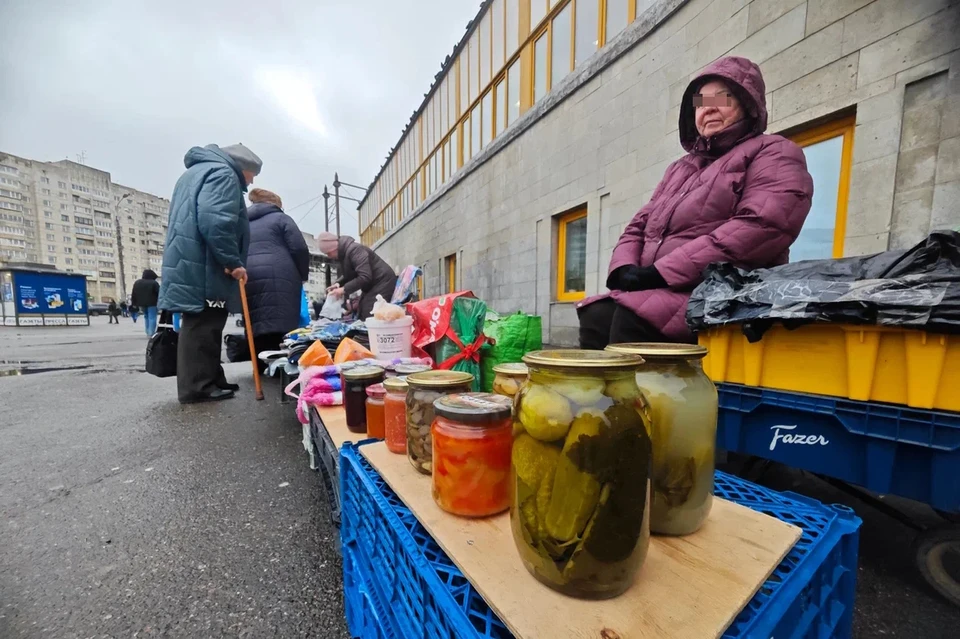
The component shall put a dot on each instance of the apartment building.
(66, 214)
(552, 121)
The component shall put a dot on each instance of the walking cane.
(248, 329)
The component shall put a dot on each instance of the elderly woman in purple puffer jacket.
(737, 196)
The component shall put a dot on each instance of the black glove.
(636, 278)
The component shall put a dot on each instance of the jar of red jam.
(395, 414)
(355, 384)
(472, 438)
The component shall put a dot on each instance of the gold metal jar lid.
(660, 350)
(473, 408)
(512, 369)
(363, 372)
(439, 379)
(410, 369)
(583, 359)
(395, 384)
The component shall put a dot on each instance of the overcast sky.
(313, 86)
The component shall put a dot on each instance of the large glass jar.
(580, 472)
(375, 411)
(395, 415)
(424, 389)
(683, 410)
(355, 384)
(508, 378)
(472, 438)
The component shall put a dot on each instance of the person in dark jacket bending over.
(278, 264)
(737, 196)
(146, 293)
(203, 261)
(360, 270)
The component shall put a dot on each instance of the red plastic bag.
(431, 320)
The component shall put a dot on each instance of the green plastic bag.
(466, 320)
(514, 336)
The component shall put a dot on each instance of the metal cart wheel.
(938, 558)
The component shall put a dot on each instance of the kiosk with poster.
(42, 297)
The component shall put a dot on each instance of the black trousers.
(267, 342)
(198, 353)
(606, 322)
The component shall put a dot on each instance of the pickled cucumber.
(545, 414)
(534, 464)
(575, 493)
(585, 391)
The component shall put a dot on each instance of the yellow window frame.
(827, 131)
(563, 295)
(451, 264)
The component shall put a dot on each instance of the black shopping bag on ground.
(237, 348)
(162, 348)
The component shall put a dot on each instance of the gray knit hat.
(246, 159)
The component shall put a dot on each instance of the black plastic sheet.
(916, 288)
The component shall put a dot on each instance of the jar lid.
(395, 385)
(439, 379)
(582, 359)
(473, 408)
(376, 391)
(363, 372)
(410, 369)
(512, 369)
(660, 350)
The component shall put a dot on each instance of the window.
(64, 218)
(561, 57)
(829, 152)
(497, 12)
(51, 237)
(483, 50)
(513, 26)
(51, 248)
(617, 17)
(464, 67)
(51, 260)
(450, 269)
(8, 169)
(62, 185)
(538, 9)
(45, 180)
(587, 37)
(513, 92)
(571, 256)
(486, 114)
(501, 91)
(475, 65)
(475, 131)
(540, 68)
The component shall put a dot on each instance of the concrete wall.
(604, 137)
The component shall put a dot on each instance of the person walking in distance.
(114, 312)
(203, 262)
(146, 294)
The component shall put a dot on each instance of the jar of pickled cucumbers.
(580, 469)
(424, 389)
(508, 378)
(472, 437)
(683, 411)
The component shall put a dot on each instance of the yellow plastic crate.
(866, 363)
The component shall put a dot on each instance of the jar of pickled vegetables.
(580, 472)
(683, 411)
(375, 416)
(472, 438)
(403, 370)
(395, 414)
(355, 383)
(508, 378)
(424, 389)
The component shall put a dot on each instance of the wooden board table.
(334, 419)
(690, 586)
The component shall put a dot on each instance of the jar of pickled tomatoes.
(395, 414)
(375, 411)
(472, 438)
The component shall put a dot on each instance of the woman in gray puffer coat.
(277, 265)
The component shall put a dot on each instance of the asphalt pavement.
(124, 514)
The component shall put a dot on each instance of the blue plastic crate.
(328, 463)
(367, 616)
(885, 448)
(808, 596)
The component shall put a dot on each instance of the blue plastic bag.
(304, 309)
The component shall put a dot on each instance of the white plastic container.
(390, 340)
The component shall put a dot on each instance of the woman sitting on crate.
(737, 196)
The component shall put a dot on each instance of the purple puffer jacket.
(739, 196)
